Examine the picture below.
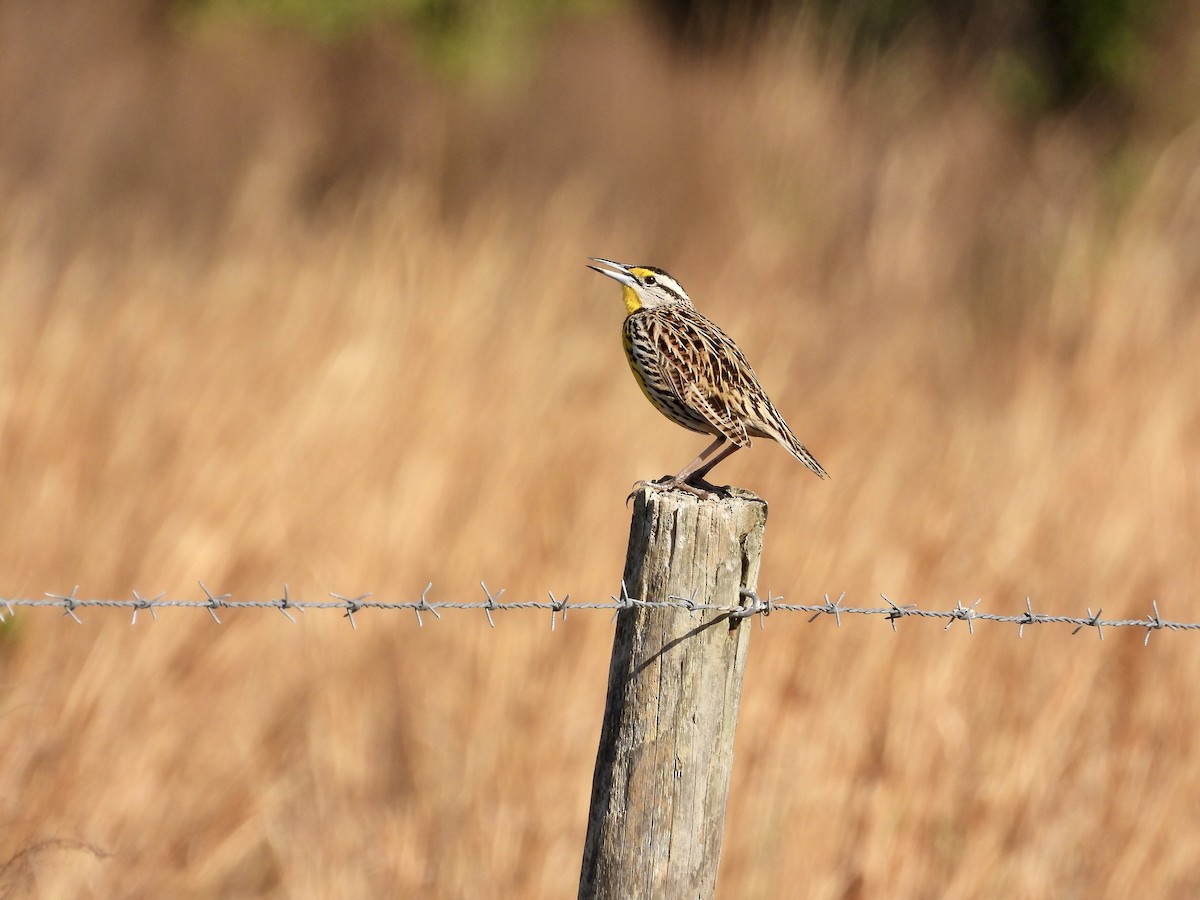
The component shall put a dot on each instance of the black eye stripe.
(670, 291)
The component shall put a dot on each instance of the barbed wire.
(752, 605)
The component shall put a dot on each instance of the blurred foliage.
(1043, 54)
(485, 41)
(329, 20)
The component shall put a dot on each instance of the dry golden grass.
(274, 312)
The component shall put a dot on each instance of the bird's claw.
(670, 484)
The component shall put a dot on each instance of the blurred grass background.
(296, 292)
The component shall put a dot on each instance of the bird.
(694, 374)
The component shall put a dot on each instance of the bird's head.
(643, 287)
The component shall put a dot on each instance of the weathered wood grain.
(666, 743)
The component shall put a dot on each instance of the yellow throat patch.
(632, 302)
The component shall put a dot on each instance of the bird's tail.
(798, 450)
(801, 453)
(771, 424)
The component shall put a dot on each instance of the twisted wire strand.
(752, 605)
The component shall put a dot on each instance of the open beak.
(621, 274)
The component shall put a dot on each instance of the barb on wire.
(766, 610)
(1029, 618)
(624, 602)
(491, 602)
(556, 607)
(750, 604)
(214, 602)
(834, 609)
(689, 603)
(353, 605)
(140, 603)
(283, 603)
(965, 613)
(1092, 621)
(426, 606)
(897, 612)
(1155, 622)
(69, 602)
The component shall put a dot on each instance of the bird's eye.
(650, 279)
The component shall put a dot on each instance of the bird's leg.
(696, 469)
(695, 465)
(708, 466)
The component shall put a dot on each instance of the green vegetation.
(484, 41)
(1044, 54)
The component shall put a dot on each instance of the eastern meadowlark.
(694, 374)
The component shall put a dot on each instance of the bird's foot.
(671, 483)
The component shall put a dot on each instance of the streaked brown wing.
(695, 357)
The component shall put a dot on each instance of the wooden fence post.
(666, 743)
